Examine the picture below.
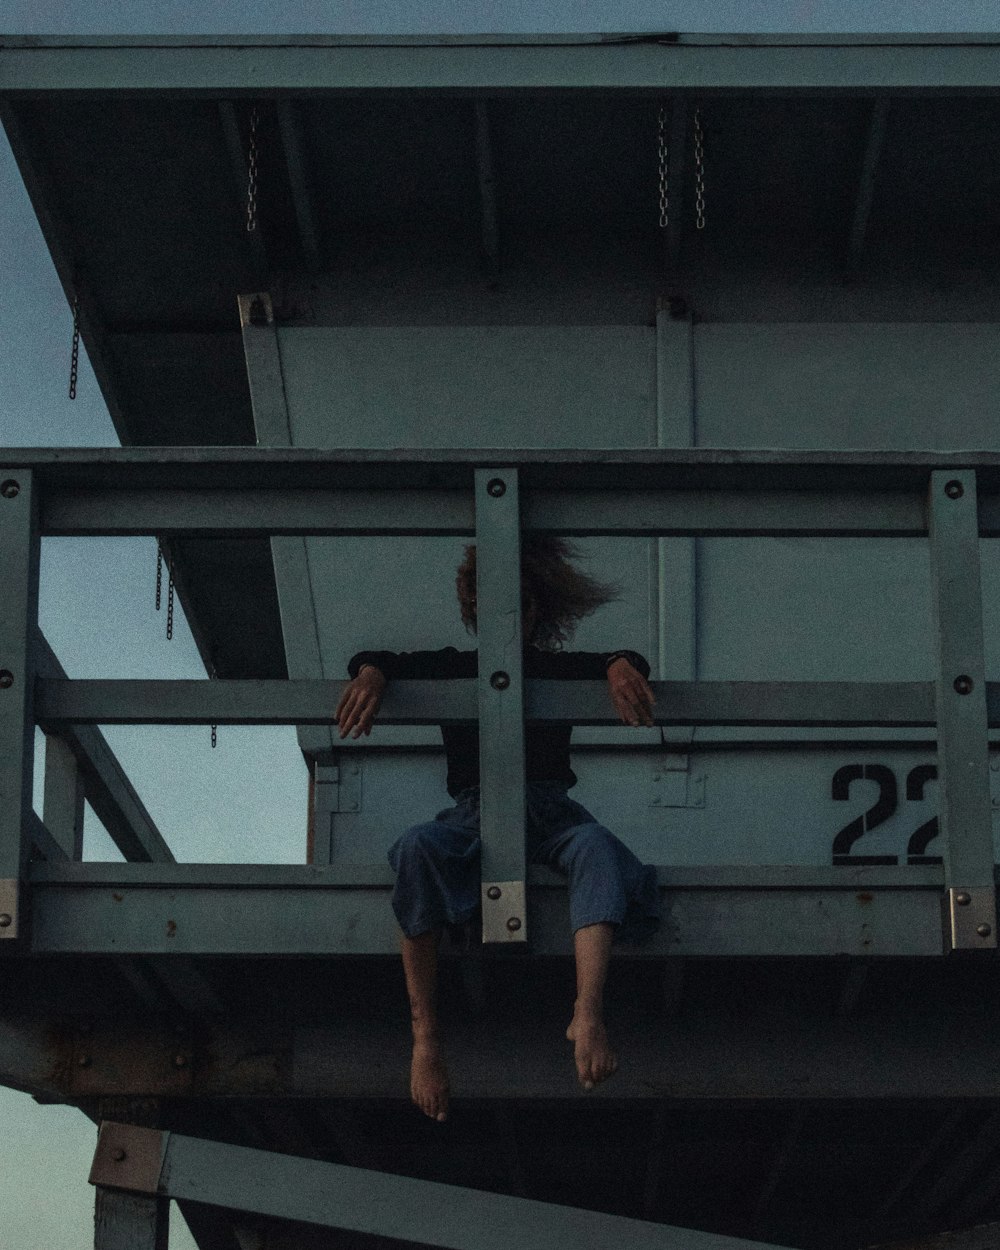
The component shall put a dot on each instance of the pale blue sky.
(97, 597)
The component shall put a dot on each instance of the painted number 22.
(880, 811)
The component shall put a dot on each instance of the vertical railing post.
(962, 730)
(501, 705)
(62, 807)
(19, 547)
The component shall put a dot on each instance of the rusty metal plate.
(129, 1157)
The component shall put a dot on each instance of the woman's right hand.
(360, 702)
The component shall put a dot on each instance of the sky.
(97, 595)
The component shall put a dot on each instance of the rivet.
(500, 680)
(963, 900)
(6, 679)
(10, 489)
(493, 892)
(963, 684)
(180, 1061)
(954, 489)
(496, 487)
(118, 1155)
(983, 930)
(6, 919)
(83, 1061)
(513, 924)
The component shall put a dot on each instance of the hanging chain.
(170, 601)
(252, 172)
(213, 674)
(159, 575)
(699, 171)
(664, 155)
(74, 356)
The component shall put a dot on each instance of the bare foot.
(429, 1079)
(595, 1060)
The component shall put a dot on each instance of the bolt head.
(500, 680)
(984, 930)
(83, 1061)
(954, 489)
(493, 892)
(496, 487)
(963, 900)
(118, 1154)
(6, 919)
(180, 1061)
(963, 684)
(6, 679)
(10, 489)
(513, 924)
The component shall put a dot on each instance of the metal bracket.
(109, 1057)
(673, 785)
(129, 1157)
(338, 788)
(973, 918)
(504, 912)
(8, 908)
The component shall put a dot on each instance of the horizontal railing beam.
(266, 469)
(275, 702)
(82, 914)
(378, 875)
(409, 513)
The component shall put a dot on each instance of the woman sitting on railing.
(437, 863)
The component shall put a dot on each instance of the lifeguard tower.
(724, 311)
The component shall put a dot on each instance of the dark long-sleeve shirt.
(546, 746)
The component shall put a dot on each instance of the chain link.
(664, 157)
(213, 674)
(699, 171)
(252, 172)
(159, 575)
(74, 356)
(170, 602)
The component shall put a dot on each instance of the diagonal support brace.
(371, 1203)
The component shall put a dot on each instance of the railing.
(493, 496)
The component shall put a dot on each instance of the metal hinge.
(673, 785)
(338, 787)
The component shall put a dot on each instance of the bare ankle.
(588, 1012)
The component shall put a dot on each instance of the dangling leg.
(595, 1060)
(437, 882)
(428, 1074)
(603, 875)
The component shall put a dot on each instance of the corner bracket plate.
(973, 918)
(129, 1157)
(504, 912)
(8, 908)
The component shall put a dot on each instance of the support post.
(19, 548)
(128, 1212)
(501, 704)
(963, 757)
(290, 555)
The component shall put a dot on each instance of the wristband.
(631, 656)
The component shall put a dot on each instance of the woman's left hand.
(631, 693)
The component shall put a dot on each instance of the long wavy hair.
(561, 594)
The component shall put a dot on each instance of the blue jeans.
(438, 877)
